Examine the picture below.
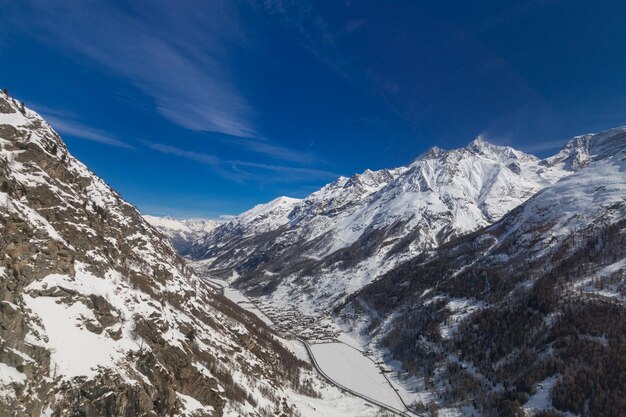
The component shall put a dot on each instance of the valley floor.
(343, 363)
(353, 369)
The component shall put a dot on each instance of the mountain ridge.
(381, 216)
(99, 315)
(535, 303)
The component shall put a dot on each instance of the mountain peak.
(386, 214)
(478, 142)
(261, 209)
(431, 153)
(267, 216)
(481, 146)
(581, 150)
(501, 153)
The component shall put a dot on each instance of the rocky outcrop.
(98, 315)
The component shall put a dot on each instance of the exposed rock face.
(316, 251)
(98, 315)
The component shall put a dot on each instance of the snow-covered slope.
(538, 298)
(262, 218)
(182, 233)
(317, 250)
(99, 316)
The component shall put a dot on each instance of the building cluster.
(290, 321)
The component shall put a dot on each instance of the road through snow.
(342, 364)
(351, 368)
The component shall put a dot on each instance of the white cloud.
(181, 65)
(240, 171)
(194, 156)
(267, 148)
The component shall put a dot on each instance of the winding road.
(238, 297)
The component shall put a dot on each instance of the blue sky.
(206, 108)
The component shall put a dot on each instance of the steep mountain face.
(318, 250)
(182, 233)
(99, 316)
(529, 312)
(262, 218)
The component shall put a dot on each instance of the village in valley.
(290, 320)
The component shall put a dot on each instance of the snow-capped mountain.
(182, 233)
(527, 313)
(318, 250)
(261, 218)
(99, 316)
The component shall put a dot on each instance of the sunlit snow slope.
(318, 250)
(535, 303)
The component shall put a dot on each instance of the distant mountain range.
(182, 233)
(318, 250)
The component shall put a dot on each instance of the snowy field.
(334, 402)
(237, 297)
(345, 364)
(354, 370)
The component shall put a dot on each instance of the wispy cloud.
(529, 128)
(240, 171)
(194, 156)
(179, 56)
(266, 148)
(308, 28)
(189, 81)
(354, 25)
(517, 11)
(296, 173)
(79, 130)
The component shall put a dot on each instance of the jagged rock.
(96, 308)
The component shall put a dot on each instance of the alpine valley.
(319, 250)
(478, 281)
(100, 317)
(490, 281)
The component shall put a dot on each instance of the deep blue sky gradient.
(205, 108)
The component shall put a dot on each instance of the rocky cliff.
(99, 316)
